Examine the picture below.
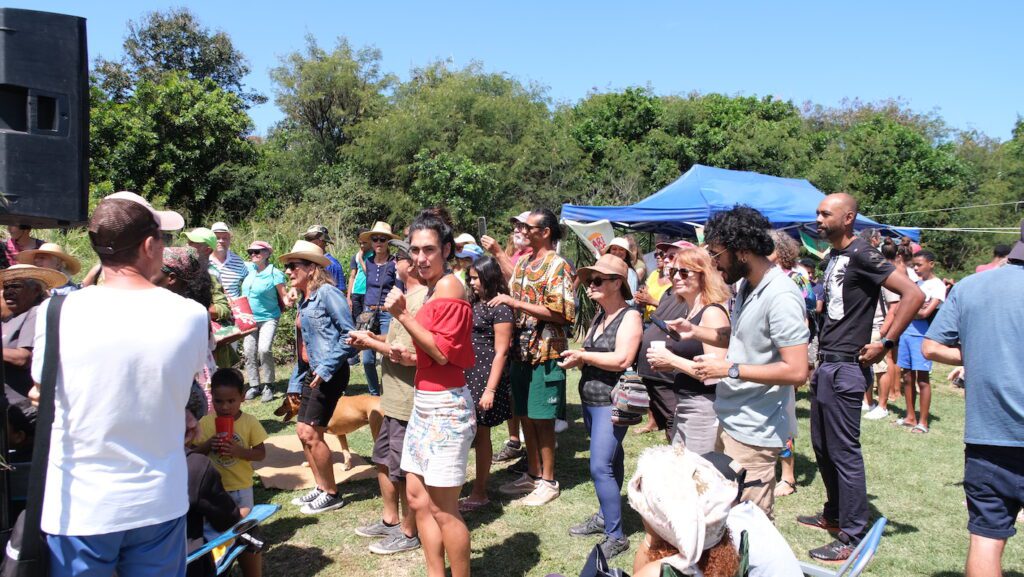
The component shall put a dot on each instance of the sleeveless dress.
(484, 319)
(596, 384)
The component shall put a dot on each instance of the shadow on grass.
(295, 561)
(517, 555)
(281, 529)
(892, 527)
(804, 469)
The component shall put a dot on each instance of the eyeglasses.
(597, 281)
(659, 254)
(291, 265)
(379, 239)
(252, 252)
(717, 255)
(682, 272)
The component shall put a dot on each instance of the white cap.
(168, 219)
(220, 227)
(465, 238)
(521, 217)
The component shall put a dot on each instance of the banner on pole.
(595, 235)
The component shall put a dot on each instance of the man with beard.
(767, 350)
(853, 280)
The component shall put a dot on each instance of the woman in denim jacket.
(323, 323)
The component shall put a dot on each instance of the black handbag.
(26, 553)
(597, 566)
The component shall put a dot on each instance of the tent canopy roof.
(704, 191)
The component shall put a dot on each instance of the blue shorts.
(155, 550)
(994, 485)
(909, 355)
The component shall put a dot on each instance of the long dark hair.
(550, 221)
(438, 220)
(492, 280)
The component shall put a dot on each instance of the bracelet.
(486, 390)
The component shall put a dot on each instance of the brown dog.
(351, 414)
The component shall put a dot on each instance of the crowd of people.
(711, 339)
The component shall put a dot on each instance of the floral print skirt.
(439, 435)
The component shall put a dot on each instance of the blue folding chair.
(858, 561)
(238, 533)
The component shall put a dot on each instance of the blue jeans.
(154, 550)
(606, 465)
(370, 358)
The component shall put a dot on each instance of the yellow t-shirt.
(656, 290)
(235, 473)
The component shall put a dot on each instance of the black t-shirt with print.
(852, 283)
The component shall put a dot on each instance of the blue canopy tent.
(788, 203)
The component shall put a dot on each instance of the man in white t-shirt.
(916, 368)
(116, 485)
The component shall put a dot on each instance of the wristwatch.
(888, 343)
(734, 371)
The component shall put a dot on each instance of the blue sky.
(959, 59)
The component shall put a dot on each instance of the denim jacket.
(326, 321)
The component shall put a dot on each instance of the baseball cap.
(317, 231)
(1017, 252)
(465, 238)
(220, 227)
(260, 245)
(401, 246)
(168, 219)
(676, 244)
(121, 224)
(470, 251)
(202, 235)
(521, 217)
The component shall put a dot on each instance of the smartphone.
(481, 227)
(661, 325)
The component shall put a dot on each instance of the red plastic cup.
(225, 428)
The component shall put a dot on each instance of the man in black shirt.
(852, 282)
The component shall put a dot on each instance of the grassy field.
(914, 480)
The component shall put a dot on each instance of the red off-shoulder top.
(451, 322)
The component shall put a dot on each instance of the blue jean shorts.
(910, 356)
(994, 485)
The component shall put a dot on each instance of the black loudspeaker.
(44, 119)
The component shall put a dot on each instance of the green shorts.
(538, 391)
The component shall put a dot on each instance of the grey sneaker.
(508, 453)
(378, 529)
(592, 526)
(325, 502)
(252, 393)
(268, 394)
(612, 547)
(308, 497)
(396, 543)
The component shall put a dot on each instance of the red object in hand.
(225, 429)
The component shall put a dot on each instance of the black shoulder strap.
(32, 545)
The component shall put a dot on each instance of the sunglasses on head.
(599, 280)
(379, 239)
(682, 272)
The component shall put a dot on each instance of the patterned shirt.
(546, 282)
(230, 273)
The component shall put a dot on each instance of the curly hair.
(742, 228)
(786, 249)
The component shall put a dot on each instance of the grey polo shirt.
(771, 317)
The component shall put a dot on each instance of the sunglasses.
(252, 252)
(291, 266)
(379, 239)
(599, 280)
(659, 254)
(717, 255)
(682, 272)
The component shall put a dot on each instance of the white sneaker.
(864, 407)
(542, 495)
(877, 413)
(561, 425)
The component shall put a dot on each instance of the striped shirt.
(230, 273)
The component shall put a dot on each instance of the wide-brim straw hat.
(49, 277)
(379, 227)
(612, 265)
(305, 250)
(71, 264)
(624, 245)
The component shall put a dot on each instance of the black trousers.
(837, 390)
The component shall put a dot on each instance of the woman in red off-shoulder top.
(443, 421)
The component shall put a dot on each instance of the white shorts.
(439, 435)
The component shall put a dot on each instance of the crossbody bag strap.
(32, 543)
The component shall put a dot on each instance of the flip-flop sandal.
(468, 506)
(919, 429)
(901, 422)
(788, 484)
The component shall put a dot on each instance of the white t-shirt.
(117, 459)
(770, 555)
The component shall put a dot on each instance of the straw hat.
(379, 228)
(305, 250)
(49, 277)
(624, 245)
(608, 264)
(71, 264)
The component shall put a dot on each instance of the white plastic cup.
(657, 345)
(708, 382)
